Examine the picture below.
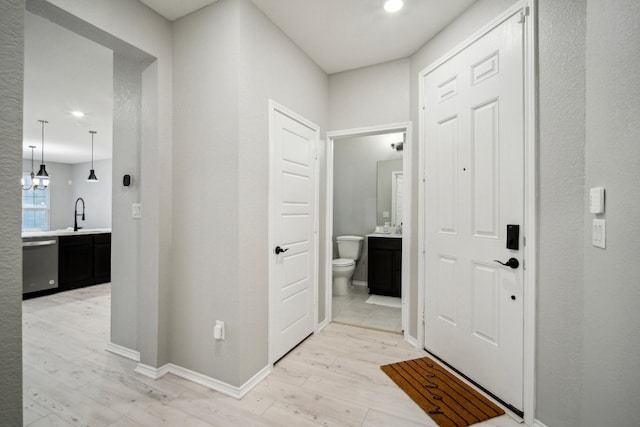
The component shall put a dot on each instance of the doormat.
(386, 301)
(442, 395)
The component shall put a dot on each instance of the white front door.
(474, 182)
(293, 278)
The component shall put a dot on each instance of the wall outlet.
(598, 233)
(218, 330)
(136, 210)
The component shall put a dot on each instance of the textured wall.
(127, 116)
(561, 204)
(611, 336)
(205, 161)
(11, 75)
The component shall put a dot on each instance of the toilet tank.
(349, 247)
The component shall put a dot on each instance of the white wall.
(355, 165)
(369, 96)
(11, 96)
(224, 74)
(611, 337)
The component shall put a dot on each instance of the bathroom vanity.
(385, 264)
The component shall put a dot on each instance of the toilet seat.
(343, 262)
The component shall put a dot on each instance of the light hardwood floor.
(332, 379)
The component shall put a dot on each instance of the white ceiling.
(65, 72)
(342, 35)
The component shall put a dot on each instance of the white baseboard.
(151, 372)
(322, 325)
(359, 283)
(123, 351)
(411, 340)
(537, 423)
(203, 380)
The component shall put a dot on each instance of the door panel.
(294, 216)
(474, 182)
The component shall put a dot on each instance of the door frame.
(528, 9)
(274, 108)
(406, 207)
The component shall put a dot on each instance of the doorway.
(371, 215)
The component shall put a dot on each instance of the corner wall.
(224, 75)
(11, 95)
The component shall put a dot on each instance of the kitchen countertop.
(387, 235)
(65, 232)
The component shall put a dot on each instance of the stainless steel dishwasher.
(39, 263)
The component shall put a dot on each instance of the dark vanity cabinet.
(84, 260)
(385, 266)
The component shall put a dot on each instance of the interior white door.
(474, 182)
(294, 254)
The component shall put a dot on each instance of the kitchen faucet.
(76, 214)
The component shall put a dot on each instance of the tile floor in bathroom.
(353, 310)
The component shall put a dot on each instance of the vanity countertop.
(65, 232)
(386, 235)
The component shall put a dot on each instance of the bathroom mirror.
(389, 192)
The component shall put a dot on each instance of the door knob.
(513, 263)
(279, 250)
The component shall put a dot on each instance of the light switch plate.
(599, 233)
(136, 210)
(596, 200)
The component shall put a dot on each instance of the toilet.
(349, 251)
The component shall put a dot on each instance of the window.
(35, 207)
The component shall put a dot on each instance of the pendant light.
(33, 182)
(42, 175)
(92, 173)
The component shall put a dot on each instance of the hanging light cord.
(43, 122)
(92, 132)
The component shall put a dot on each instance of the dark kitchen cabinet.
(84, 260)
(385, 266)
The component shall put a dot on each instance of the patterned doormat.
(442, 395)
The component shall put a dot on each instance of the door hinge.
(315, 154)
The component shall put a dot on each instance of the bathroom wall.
(355, 182)
(11, 96)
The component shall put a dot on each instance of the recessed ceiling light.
(392, 6)
(77, 113)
